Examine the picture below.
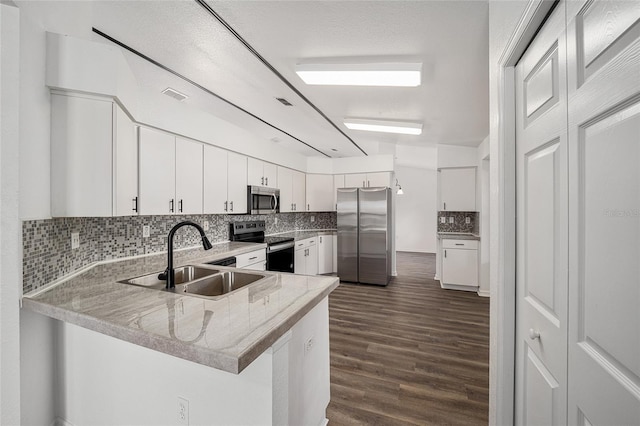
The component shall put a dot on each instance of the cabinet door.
(157, 173)
(298, 189)
(255, 172)
(312, 260)
(188, 177)
(378, 179)
(125, 166)
(285, 184)
(335, 254)
(300, 261)
(319, 193)
(355, 180)
(270, 173)
(458, 189)
(215, 180)
(260, 266)
(338, 182)
(460, 267)
(325, 254)
(81, 156)
(237, 183)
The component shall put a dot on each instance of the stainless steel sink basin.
(183, 274)
(218, 284)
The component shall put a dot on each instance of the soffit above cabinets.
(450, 39)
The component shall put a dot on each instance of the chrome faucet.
(169, 275)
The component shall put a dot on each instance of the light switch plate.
(75, 240)
(451, 219)
(443, 219)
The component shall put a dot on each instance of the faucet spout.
(169, 274)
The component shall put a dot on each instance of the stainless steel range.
(280, 250)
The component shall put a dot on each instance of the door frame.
(503, 203)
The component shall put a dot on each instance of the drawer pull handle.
(459, 244)
(254, 257)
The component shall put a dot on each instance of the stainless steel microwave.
(263, 200)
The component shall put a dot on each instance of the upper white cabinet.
(367, 180)
(292, 190)
(261, 173)
(189, 157)
(225, 181)
(458, 189)
(320, 196)
(338, 182)
(93, 158)
(170, 174)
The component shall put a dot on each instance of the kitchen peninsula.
(257, 355)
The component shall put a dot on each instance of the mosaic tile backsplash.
(459, 222)
(47, 253)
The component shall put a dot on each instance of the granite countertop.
(226, 333)
(302, 235)
(458, 235)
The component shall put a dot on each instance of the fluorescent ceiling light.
(382, 74)
(401, 127)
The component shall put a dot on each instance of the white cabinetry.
(325, 253)
(320, 196)
(225, 181)
(292, 190)
(261, 173)
(338, 182)
(93, 158)
(306, 257)
(460, 264)
(189, 176)
(458, 189)
(367, 180)
(255, 260)
(170, 174)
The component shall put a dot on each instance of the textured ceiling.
(449, 37)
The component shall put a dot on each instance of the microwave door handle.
(275, 199)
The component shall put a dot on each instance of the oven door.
(280, 257)
(263, 200)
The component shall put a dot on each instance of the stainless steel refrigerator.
(364, 237)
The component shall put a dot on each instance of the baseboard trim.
(484, 293)
(324, 422)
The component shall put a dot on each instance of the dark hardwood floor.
(410, 353)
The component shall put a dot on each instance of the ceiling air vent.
(174, 94)
(284, 102)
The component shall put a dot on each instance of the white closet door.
(541, 255)
(604, 187)
(188, 176)
(157, 173)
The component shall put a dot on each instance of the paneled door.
(604, 207)
(542, 241)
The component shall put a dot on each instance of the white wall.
(416, 210)
(10, 227)
(483, 192)
(503, 20)
(457, 156)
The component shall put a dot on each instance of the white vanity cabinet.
(225, 181)
(94, 166)
(319, 191)
(306, 256)
(261, 173)
(459, 264)
(457, 189)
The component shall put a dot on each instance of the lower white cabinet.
(460, 264)
(325, 253)
(255, 260)
(306, 257)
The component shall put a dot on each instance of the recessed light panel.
(400, 127)
(381, 74)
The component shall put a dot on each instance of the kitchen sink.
(218, 284)
(183, 275)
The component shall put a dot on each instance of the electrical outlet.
(75, 240)
(275, 220)
(308, 345)
(313, 219)
(451, 219)
(467, 220)
(205, 225)
(443, 219)
(146, 231)
(183, 411)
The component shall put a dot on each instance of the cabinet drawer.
(302, 244)
(460, 244)
(250, 258)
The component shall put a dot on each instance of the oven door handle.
(279, 247)
(275, 199)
